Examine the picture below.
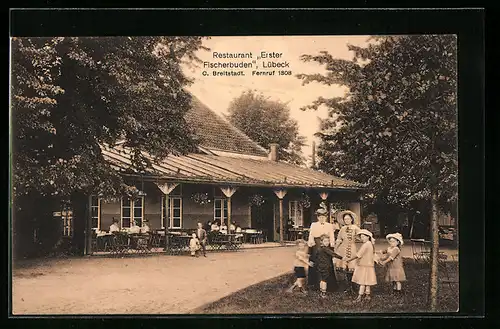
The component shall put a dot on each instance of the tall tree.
(396, 127)
(267, 121)
(71, 95)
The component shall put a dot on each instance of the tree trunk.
(433, 286)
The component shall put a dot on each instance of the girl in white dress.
(364, 273)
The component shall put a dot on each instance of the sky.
(218, 91)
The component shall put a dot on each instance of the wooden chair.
(220, 241)
(212, 241)
(238, 242)
(155, 239)
(304, 234)
(255, 238)
(264, 236)
(175, 245)
(93, 243)
(119, 244)
(143, 243)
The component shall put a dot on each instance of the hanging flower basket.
(200, 198)
(256, 200)
(132, 192)
(337, 206)
(305, 202)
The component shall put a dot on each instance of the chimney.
(273, 153)
(313, 155)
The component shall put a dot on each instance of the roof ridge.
(220, 169)
(226, 122)
(242, 133)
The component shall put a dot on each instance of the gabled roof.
(206, 168)
(216, 133)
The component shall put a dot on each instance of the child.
(324, 265)
(194, 245)
(301, 259)
(364, 272)
(392, 258)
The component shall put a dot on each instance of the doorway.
(263, 219)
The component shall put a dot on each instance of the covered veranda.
(292, 193)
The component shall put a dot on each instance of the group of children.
(359, 266)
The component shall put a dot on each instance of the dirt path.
(147, 285)
(157, 284)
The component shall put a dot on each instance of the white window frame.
(131, 206)
(67, 220)
(297, 215)
(98, 211)
(222, 219)
(171, 211)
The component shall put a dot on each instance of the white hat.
(366, 232)
(340, 217)
(396, 236)
(321, 212)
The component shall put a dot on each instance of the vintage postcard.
(234, 175)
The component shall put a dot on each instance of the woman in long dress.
(346, 246)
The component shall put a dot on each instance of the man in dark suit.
(202, 236)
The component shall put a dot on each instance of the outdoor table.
(139, 242)
(157, 239)
(233, 243)
(253, 236)
(178, 243)
(305, 233)
(247, 236)
(228, 241)
(103, 241)
(119, 243)
(295, 233)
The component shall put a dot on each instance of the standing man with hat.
(317, 229)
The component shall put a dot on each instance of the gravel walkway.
(157, 284)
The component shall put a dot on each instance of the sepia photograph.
(297, 174)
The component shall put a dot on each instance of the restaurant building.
(231, 179)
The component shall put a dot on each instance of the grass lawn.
(270, 297)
